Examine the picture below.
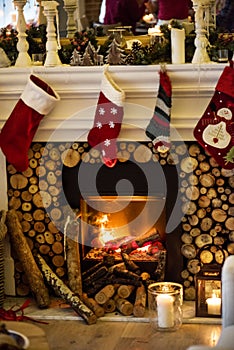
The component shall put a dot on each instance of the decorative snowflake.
(99, 125)
(113, 111)
(107, 142)
(111, 124)
(102, 111)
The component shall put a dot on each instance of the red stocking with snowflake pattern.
(108, 120)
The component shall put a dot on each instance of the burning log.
(148, 237)
(24, 254)
(140, 302)
(65, 293)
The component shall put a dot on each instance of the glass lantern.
(165, 300)
(208, 292)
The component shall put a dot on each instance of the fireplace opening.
(132, 225)
(136, 187)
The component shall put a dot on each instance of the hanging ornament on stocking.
(158, 129)
(215, 129)
(37, 100)
(108, 119)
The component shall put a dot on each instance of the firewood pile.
(121, 287)
(106, 287)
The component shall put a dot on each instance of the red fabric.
(215, 129)
(165, 82)
(226, 82)
(168, 9)
(126, 12)
(18, 131)
(17, 134)
(106, 128)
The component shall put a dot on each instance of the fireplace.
(78, 88)
(134, 225)
(124, 205)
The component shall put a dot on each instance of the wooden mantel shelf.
(78, 87)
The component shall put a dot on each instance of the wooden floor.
(76, 335)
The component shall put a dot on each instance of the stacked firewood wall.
(206, 194)
(208, 206)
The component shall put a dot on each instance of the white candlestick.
(177, 45)
(165, 310)
(214, 305)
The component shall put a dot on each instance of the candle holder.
(23, 59)
(70, 7)
(208, 292)
(201, 8)
(165, 300)
(52, 45)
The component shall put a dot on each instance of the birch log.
(65, 292)
(24, 254)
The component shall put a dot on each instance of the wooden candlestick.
(52, 46)
(23, 59)
(201, 42)
(70, 7)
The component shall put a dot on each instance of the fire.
(144, 249)
(106, 234)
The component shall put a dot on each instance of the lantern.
(208, 291)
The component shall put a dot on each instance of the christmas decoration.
(108, 119)
(158, 129)
(90, 57)
(215, 130)
(115, 54)
(16, 136)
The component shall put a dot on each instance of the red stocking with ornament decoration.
(37, 100)
(108, 119)
(215, 129)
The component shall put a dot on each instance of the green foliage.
(81, 39)
(8, 41)
(154, 53)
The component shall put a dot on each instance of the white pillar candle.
(165, 310)
(214, 305)
(177, 45)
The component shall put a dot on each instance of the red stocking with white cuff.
(108, 119)
(215, 130)
(37, 100)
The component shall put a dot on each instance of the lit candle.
(214, 305)
(165, 310)
(155, 31)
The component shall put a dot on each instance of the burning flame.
(106, 234)
(144, 249)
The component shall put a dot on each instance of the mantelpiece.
(78, 87)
